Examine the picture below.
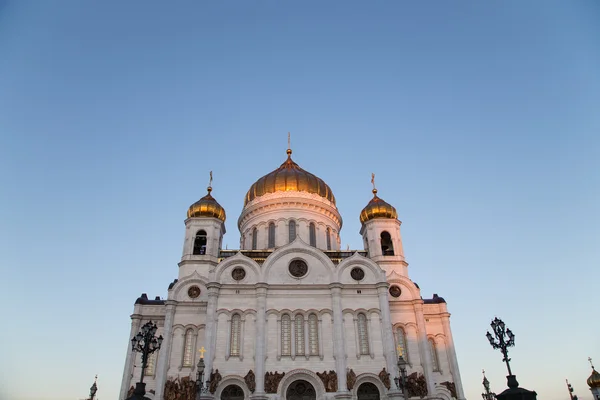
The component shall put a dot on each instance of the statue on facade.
(272, 380)
(329, 380)
(250, 380)
(451, 388)
(215, 379)
(416, 385)
(384, 377)
(350, 379)
(130, 392)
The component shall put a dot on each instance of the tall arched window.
(387, 248)
(236, 333)
(363, 334)
(200, 242)
(435, 365)
(328, 233)
(313, 334)
(312, 235)
(254, 238)
(271, 235)
(188, 348)
(401, 340)
(292, 230)
(299, 325)
(286, 335)
(151, 364)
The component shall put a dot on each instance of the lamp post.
(504, 339)
(402, 370)
(200, 374)
(145, 342)
(487, 395)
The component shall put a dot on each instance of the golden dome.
(207, 207)
(377, 208)
(594, 380)
(289, 177)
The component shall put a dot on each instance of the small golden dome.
(594, 380)
(377, 208)
(207, 207)
(289, 177)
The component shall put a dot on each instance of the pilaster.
(136, 322)
(211, 325)
(453, 360)
(426, 361)
(165, 350)
(260, 352)
(338, 338)
(389, 352)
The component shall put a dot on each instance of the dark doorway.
(232, 392)
(301, 390)
(368, 391)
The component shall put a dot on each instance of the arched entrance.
(232, 392)
(367, 391)
(301, 390)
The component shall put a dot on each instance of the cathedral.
(290, 315)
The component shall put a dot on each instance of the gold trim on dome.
(377, 208)
(289, 177)
(207, 207)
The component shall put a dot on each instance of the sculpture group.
(329, 380)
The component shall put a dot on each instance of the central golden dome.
(289, 177)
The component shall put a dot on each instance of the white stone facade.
(270, 320)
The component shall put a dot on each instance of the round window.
(357, 274)
(395, 291)
(193, 292)
(298, 268)
(238, 273)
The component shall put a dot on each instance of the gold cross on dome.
(373, 180)
(289, 142)
(210, 181)
(202, 350)
(590, 360)
(399, 350)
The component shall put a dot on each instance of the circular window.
(194, 292)
(298, 268)
(238, 273)
(395, 291)
(357, 274)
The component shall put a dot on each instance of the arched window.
(292, 230)
(312, 235)
(435, 365)
(299, 335)
(200, 243)
(387, 248)
(151, 364)
(254, 238)
(363, 334)
(271, 235)
(236, 333)
(313, 334)
(188, 348)
(328, 233)
(401, 340)
(286, 335)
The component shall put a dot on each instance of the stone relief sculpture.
(215, 379)
(250, 380)
(384, 377)
(180, 389)
(329, 380)
(451, 387)
(130, 392)
(416, 385)
(350, 379)
(272, 380)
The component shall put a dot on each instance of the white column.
(389, 351)
(136, 322)
(261, 320)
(211, 327)
(453, 361)
(339, 342)
(165, 349)
(426, 361)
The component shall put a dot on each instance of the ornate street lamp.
(200, 374)
(488, 395)
(145, 342)
(402, 370)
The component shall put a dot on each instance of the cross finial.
(289, 149)
(202, 350)
(590, 360)
(373, 182)
(483, 372)
(96, 378)
(210, 181)
(399, 351)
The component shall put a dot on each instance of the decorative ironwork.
(194, 292)
(238, 273)
(504, 339)
(145, 342)
(298, 268)
(395, 291)
(358, 274)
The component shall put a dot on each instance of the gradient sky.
(480, 119)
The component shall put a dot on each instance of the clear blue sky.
(481, 120)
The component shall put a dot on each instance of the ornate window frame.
(433, 351)
(360, 336)
(240, 336)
